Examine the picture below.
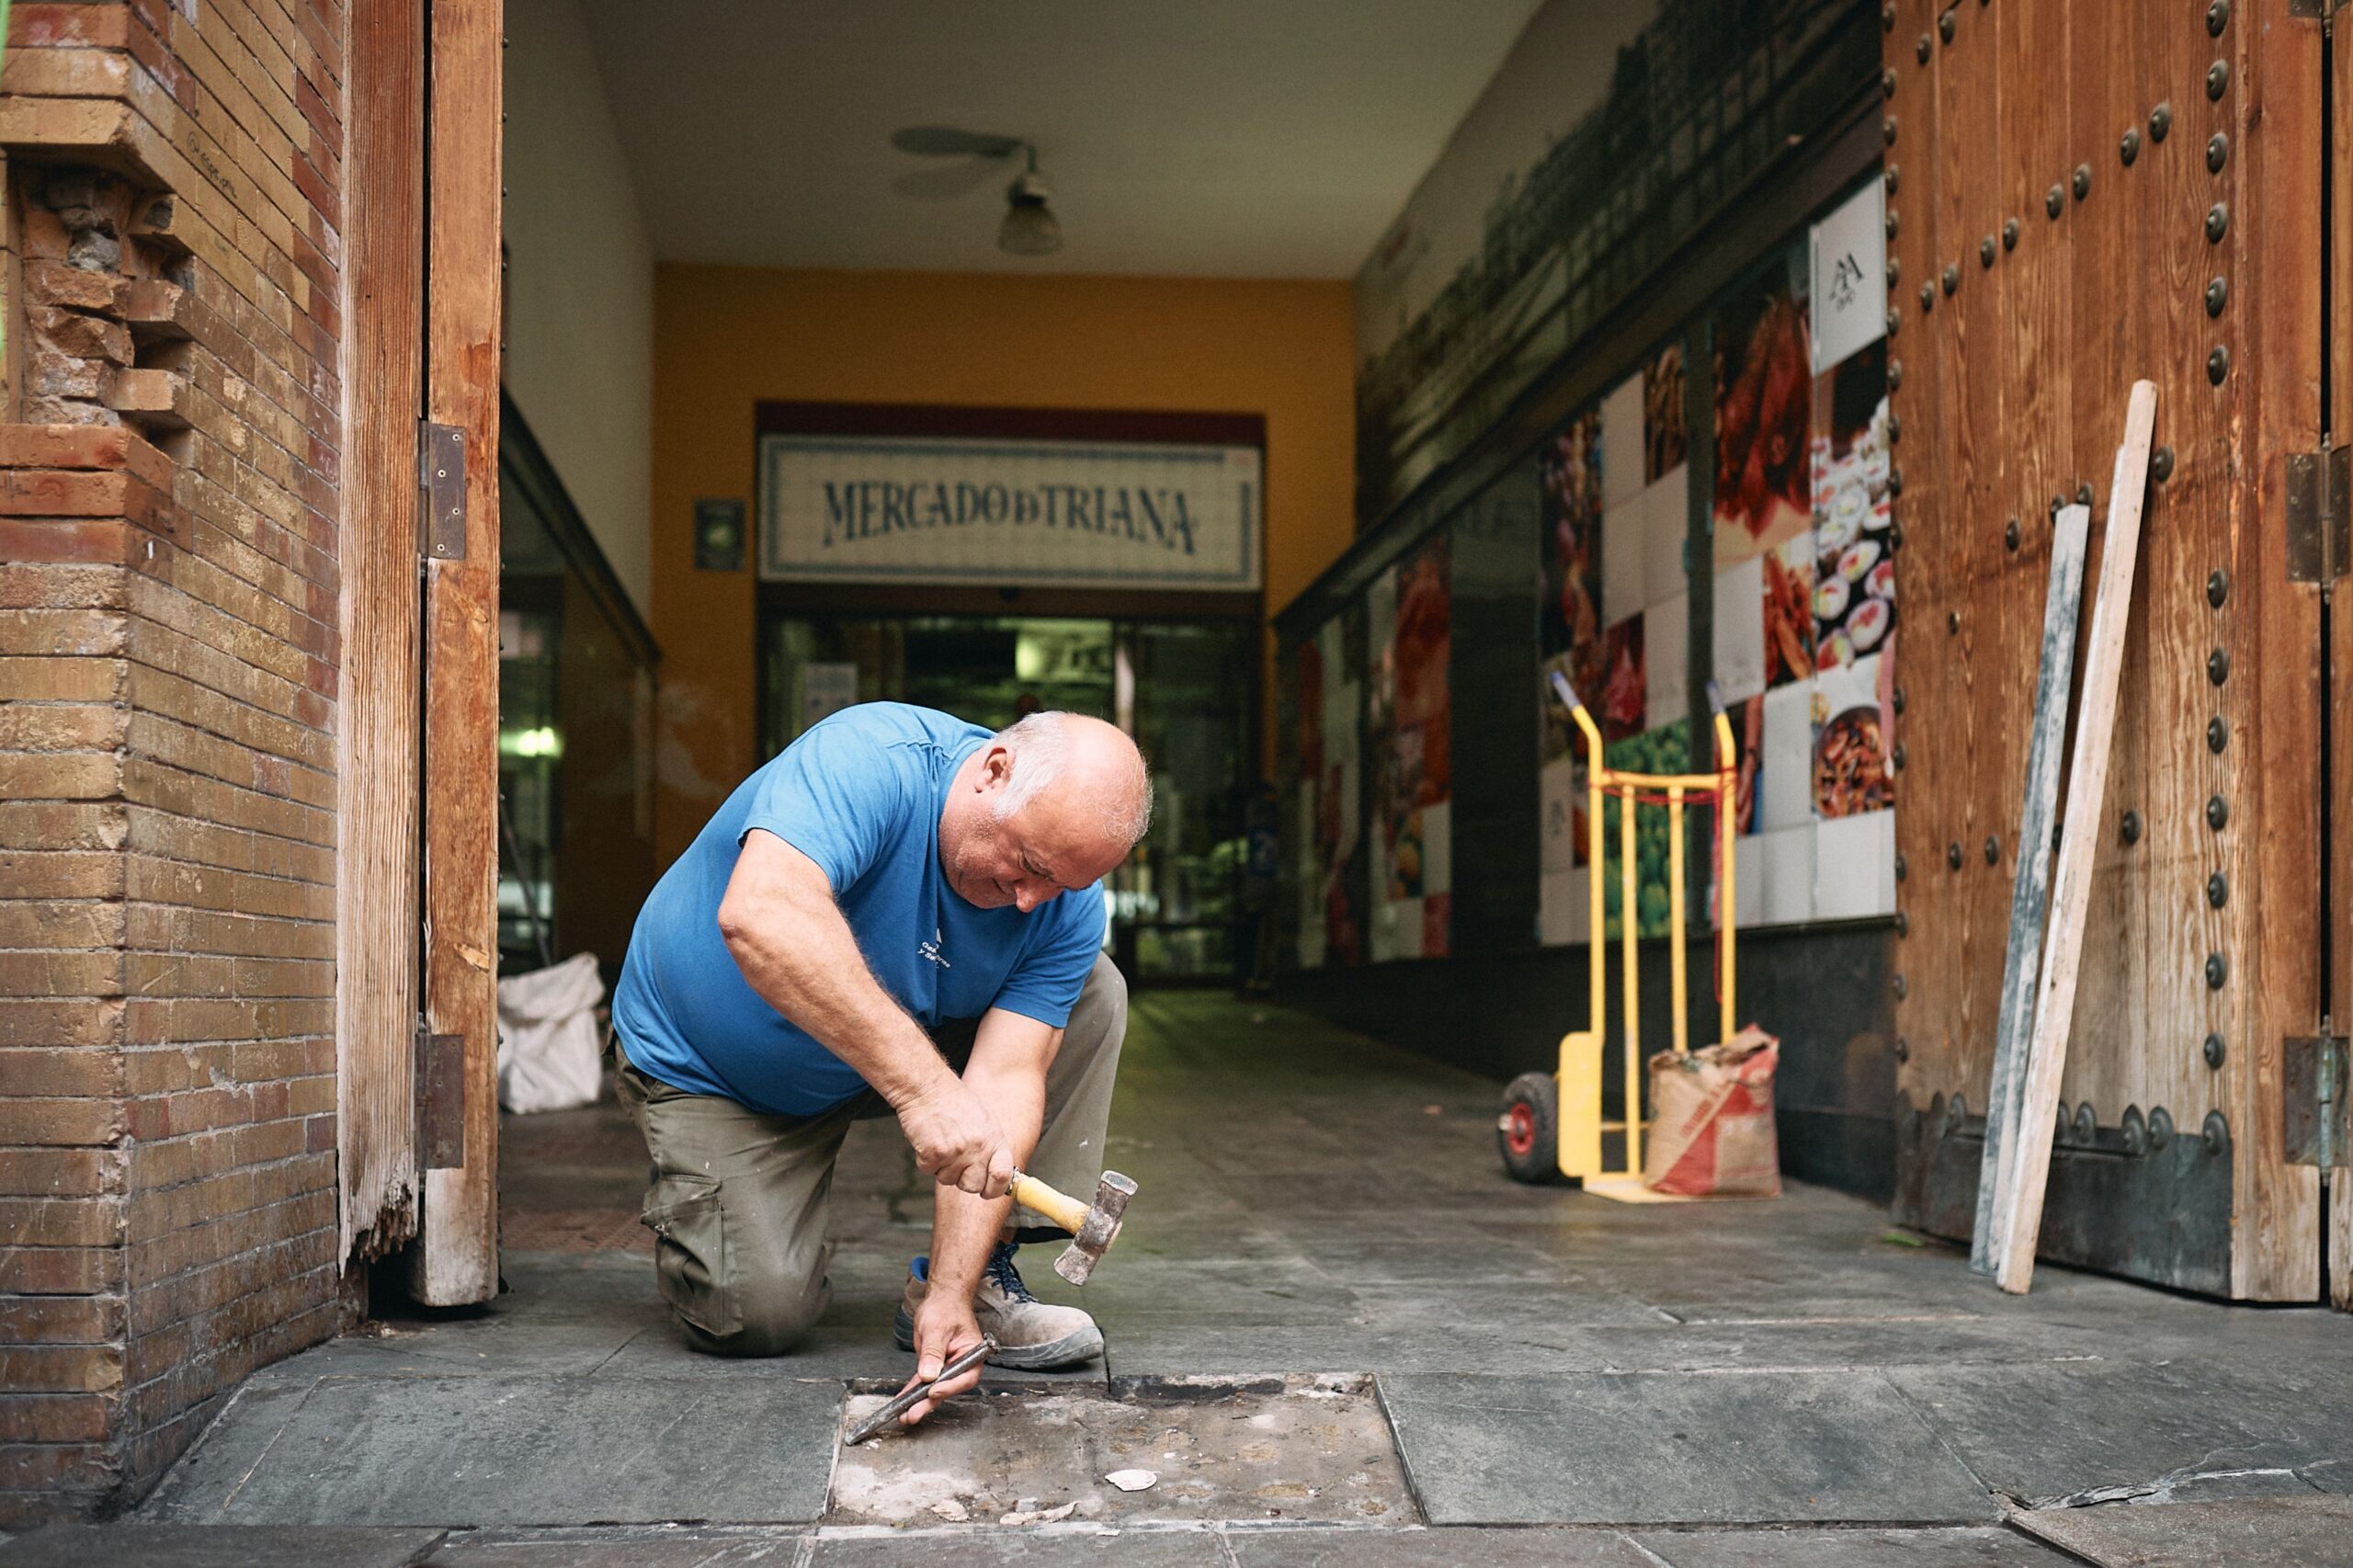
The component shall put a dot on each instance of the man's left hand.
(945, 1329)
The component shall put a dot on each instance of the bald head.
(1052, 803)
(1084, 766)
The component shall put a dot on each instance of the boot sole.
(1068, 1351)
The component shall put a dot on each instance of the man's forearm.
(965, 1228)
(798, 955)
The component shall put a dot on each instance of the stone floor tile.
(1811, 1447)
(623, 1548)
(1541, 1548)
(1980, 1545)
(218, 1546)
(2119, 1426)
(531, 1450)
(1053, 1547)
(2285, 1532)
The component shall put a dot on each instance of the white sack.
(549, 1057)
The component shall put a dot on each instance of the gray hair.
(1040, 748)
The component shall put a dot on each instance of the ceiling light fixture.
(1029, 228)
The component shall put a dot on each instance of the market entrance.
(1183, 687)
(993, 563)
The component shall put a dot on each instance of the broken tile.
(2282, 1532)
(1261, 1450)
(2096, 1429)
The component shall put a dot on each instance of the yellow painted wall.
(728, 337)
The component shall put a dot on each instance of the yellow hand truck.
(1551, 1122)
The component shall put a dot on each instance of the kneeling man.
(900, 915)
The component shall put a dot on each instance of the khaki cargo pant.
(739, 1198)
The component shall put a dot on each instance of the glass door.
(1185, 690)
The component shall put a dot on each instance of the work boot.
(1030, 1335)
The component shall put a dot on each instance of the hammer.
(1092, 1228)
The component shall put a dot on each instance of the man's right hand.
(957, 1139)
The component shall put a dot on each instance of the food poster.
(1764, 404)
(1854, 790)
(1663, 750)
(1329, 927)
(1569, 641)
(1854, 576)
(1810, 713)
(1408, 611)
(1616, 608)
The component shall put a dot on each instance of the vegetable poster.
(1408, 611)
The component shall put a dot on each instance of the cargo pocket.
(690, 1253)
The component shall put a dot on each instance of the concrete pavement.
(1566, 1379)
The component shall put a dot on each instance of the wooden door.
(2334, 410)
(2082, 196)
(417, 933)
(377, 924)
(455, 1259)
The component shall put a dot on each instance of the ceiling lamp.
(1029, 228)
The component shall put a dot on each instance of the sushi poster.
(1854, 571)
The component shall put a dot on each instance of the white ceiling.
(1200, 138)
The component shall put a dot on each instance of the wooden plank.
(376, 836)
(2031, 887)
(2054, 1013)
(1932, 727)
(2273, 627)
(2340, 655)
(457, 1259)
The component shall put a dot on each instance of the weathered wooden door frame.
(417, 903)
(455, 1257)
(2336, 678)
(377, 928)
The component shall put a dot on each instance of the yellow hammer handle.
(1040, 1199)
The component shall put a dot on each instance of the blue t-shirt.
(860, 794)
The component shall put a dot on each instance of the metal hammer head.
(1102, 1227)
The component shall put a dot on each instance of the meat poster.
(1570, 468)
(1408, 611)
(1329, 920)
(1764, 407)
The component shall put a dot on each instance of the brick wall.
(169, 498)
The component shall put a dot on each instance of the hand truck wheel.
(1528, 1132)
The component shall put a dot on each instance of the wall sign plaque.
(1018, 512)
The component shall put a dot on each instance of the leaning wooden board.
(2018, 1214)
(2030, 889)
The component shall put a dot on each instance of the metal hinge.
(2320, 522)
(441, 490)
(2316, 1110)
(2315, 10)
(440, 1064)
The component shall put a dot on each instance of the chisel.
(908, 1398)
